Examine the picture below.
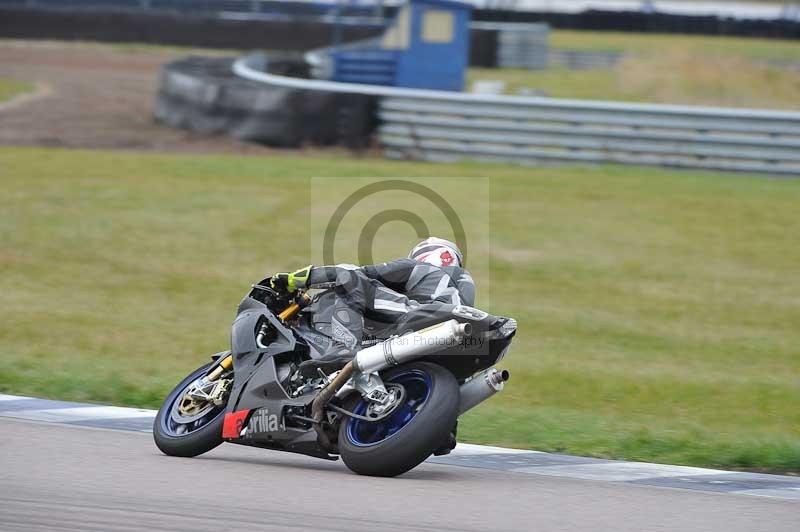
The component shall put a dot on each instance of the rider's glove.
(291, 281)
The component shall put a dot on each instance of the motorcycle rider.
(387, 292)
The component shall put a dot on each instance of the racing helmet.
(437, 251)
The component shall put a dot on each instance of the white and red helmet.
(437, 251)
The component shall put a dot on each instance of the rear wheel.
(187, 426)
(411, 432)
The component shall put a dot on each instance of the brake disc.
(193, 404)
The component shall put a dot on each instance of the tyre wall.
(202, 94)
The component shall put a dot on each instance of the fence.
(254, 8)
(650, 22)
(599, 17)
(518, 45)
(439, 126)
(173, 28)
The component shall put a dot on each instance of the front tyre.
(181, 433)
(410, 434)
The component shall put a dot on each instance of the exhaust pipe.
(323, 398)
(391, 352)
(481, 387)
(400, 349)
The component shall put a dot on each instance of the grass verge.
(128, 47)
(679, 69)
(657, 310)
(658, 43)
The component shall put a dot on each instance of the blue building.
(425, 47)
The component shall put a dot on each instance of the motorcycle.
(386, 411)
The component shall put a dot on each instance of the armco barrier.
(443, 126)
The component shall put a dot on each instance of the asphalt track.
(62, 477)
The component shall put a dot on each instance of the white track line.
(82, 413)
(782, 493)
(473, 450)
(622, 471)
(4, 397)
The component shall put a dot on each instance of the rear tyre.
(193, 438)
(412, 432)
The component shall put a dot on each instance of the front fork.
(209, 388)
(224, 365)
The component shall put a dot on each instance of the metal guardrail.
(445, 126)
(535, 132)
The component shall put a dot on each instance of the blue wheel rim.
(417, 384)
(173, 428)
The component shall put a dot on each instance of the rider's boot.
(449, 445)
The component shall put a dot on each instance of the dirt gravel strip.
(465, 455)
(97, 97)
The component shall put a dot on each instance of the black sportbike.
(396, 403)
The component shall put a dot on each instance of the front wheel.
(414, 429)
(188, 427)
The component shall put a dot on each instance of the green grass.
(695, 70)
(658, 43)
(124, 47)
(658, 310)
(9, 88)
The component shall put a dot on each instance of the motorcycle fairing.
(262, 390)
(261, 387)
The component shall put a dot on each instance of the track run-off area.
(74, 466)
